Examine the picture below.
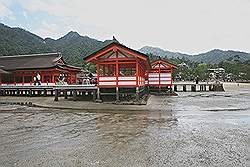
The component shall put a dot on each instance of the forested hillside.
(16, 41)
(212, 57)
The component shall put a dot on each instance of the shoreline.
(69, 104)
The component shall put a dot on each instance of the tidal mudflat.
(192, 129)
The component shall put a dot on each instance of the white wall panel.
(165, 74)
(107, 83)
(126, 78)
(107, 78)
(127, 83)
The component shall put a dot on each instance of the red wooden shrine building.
(160, 74)
(121, 67)
(21, 69)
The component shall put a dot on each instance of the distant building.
(217, 73)
(183, 64)
(22, 69)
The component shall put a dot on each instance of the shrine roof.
(32, 61)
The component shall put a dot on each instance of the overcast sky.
(188, 26)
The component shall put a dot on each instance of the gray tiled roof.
(46, 60)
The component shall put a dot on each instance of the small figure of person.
(34, 79)
(90, 77)
(61, 79)
(197, 80)
(38, 78)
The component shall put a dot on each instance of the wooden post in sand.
(117, 93)
(65, 94)
(137, 93)
(98, 94)
(74, 95)
(94, 95)
(175, 88)
(56, 95)
(193, 88)
(184, 88)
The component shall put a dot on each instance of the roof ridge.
(37, 54)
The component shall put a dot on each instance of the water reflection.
(122, 128)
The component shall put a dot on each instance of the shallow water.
(194, 129)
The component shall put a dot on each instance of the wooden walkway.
(91, 90)
(57, 90)
(202, 87)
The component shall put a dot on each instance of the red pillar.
(109, 70)
(171, 68)
(103, 70)
(98, 74)
(137, 72)
(23, 79)
(42, 78)
(14, 78)
(52, 78)
(117, 72)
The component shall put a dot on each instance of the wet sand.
(192, 129)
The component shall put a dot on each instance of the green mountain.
(17, 41)
(74, 46)
(212, 57)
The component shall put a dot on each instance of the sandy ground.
(229, 86)
(194, 129)
(88, 106)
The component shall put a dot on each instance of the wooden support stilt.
(44, 92)
(74, 95)
(210, 87)
(94, 95)
(175, 88)
(137, 93)
(117, 93)
(193, 88)
(98, 94)
(65, 94)
(56, 95)
(184, 88)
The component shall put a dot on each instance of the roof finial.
(115, 40)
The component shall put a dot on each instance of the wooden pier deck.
(90, 90)
(201, 87)
(48, 90)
